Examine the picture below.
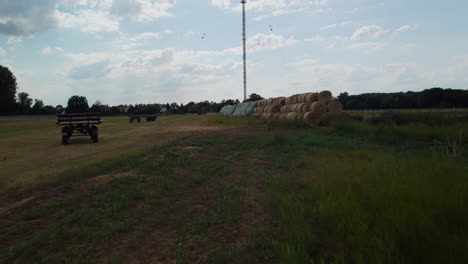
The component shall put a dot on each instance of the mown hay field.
(32, 153)
(243, 190)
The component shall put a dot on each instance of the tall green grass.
(365, 205)
(454, 132)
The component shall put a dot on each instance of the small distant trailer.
(149, 118)
(79, 125)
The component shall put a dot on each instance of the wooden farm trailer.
(149, 118)
(84, 124)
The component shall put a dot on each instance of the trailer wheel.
(65, 135)
(94, 134)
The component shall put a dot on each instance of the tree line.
(429, 98)
(21, 103)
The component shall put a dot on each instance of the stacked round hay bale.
(312, 108)
(269, 108)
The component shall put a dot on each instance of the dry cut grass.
(32, 153)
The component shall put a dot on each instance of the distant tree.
(253, 97)
(8, 87)
(24, 103)
(37, 107)
(59, 109)
(48, 110)
(115, 110)
(77, 104)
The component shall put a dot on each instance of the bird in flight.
(271, 28)
(203, 36)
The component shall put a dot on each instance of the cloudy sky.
(145, 51)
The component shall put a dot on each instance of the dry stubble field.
(32, 154)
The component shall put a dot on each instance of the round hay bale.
(300, 116)
(302, 108)
(328, 118)
(292, 116)
(325, 96)
(287, 101)
(299, 98)
(294, 108)
(275, 108)
(315, 97)
(282, 101)
(312, 118)
(296, 98)
(318, 107)
(335, 107)
(310, 98)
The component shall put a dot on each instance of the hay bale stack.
(311, 97)
(325, 96)
(292, 116)
(318, 107)
(312, 108)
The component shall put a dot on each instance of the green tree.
(38, 106)
(253, 97)
(77, 104)
(24, 103)
(8, 87)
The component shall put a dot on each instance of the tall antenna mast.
(245, 55)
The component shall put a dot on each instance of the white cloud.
(49, 50)
(370, 31)
(329, 26)
(332, 26)
(368, 46)
(14, 40)
(146, 35)
(90, 70)
(46, 50)
(150, 75)
(270, 8)
(358, 78)
(260, 42)
(25, 17)
(107, 15)
(89, 21)
(406, 28)
(226, 4)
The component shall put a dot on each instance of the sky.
(148, 51)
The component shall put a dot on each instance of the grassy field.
(32, 153)
(241, 190)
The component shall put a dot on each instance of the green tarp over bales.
(244, 109)
(227, 110)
